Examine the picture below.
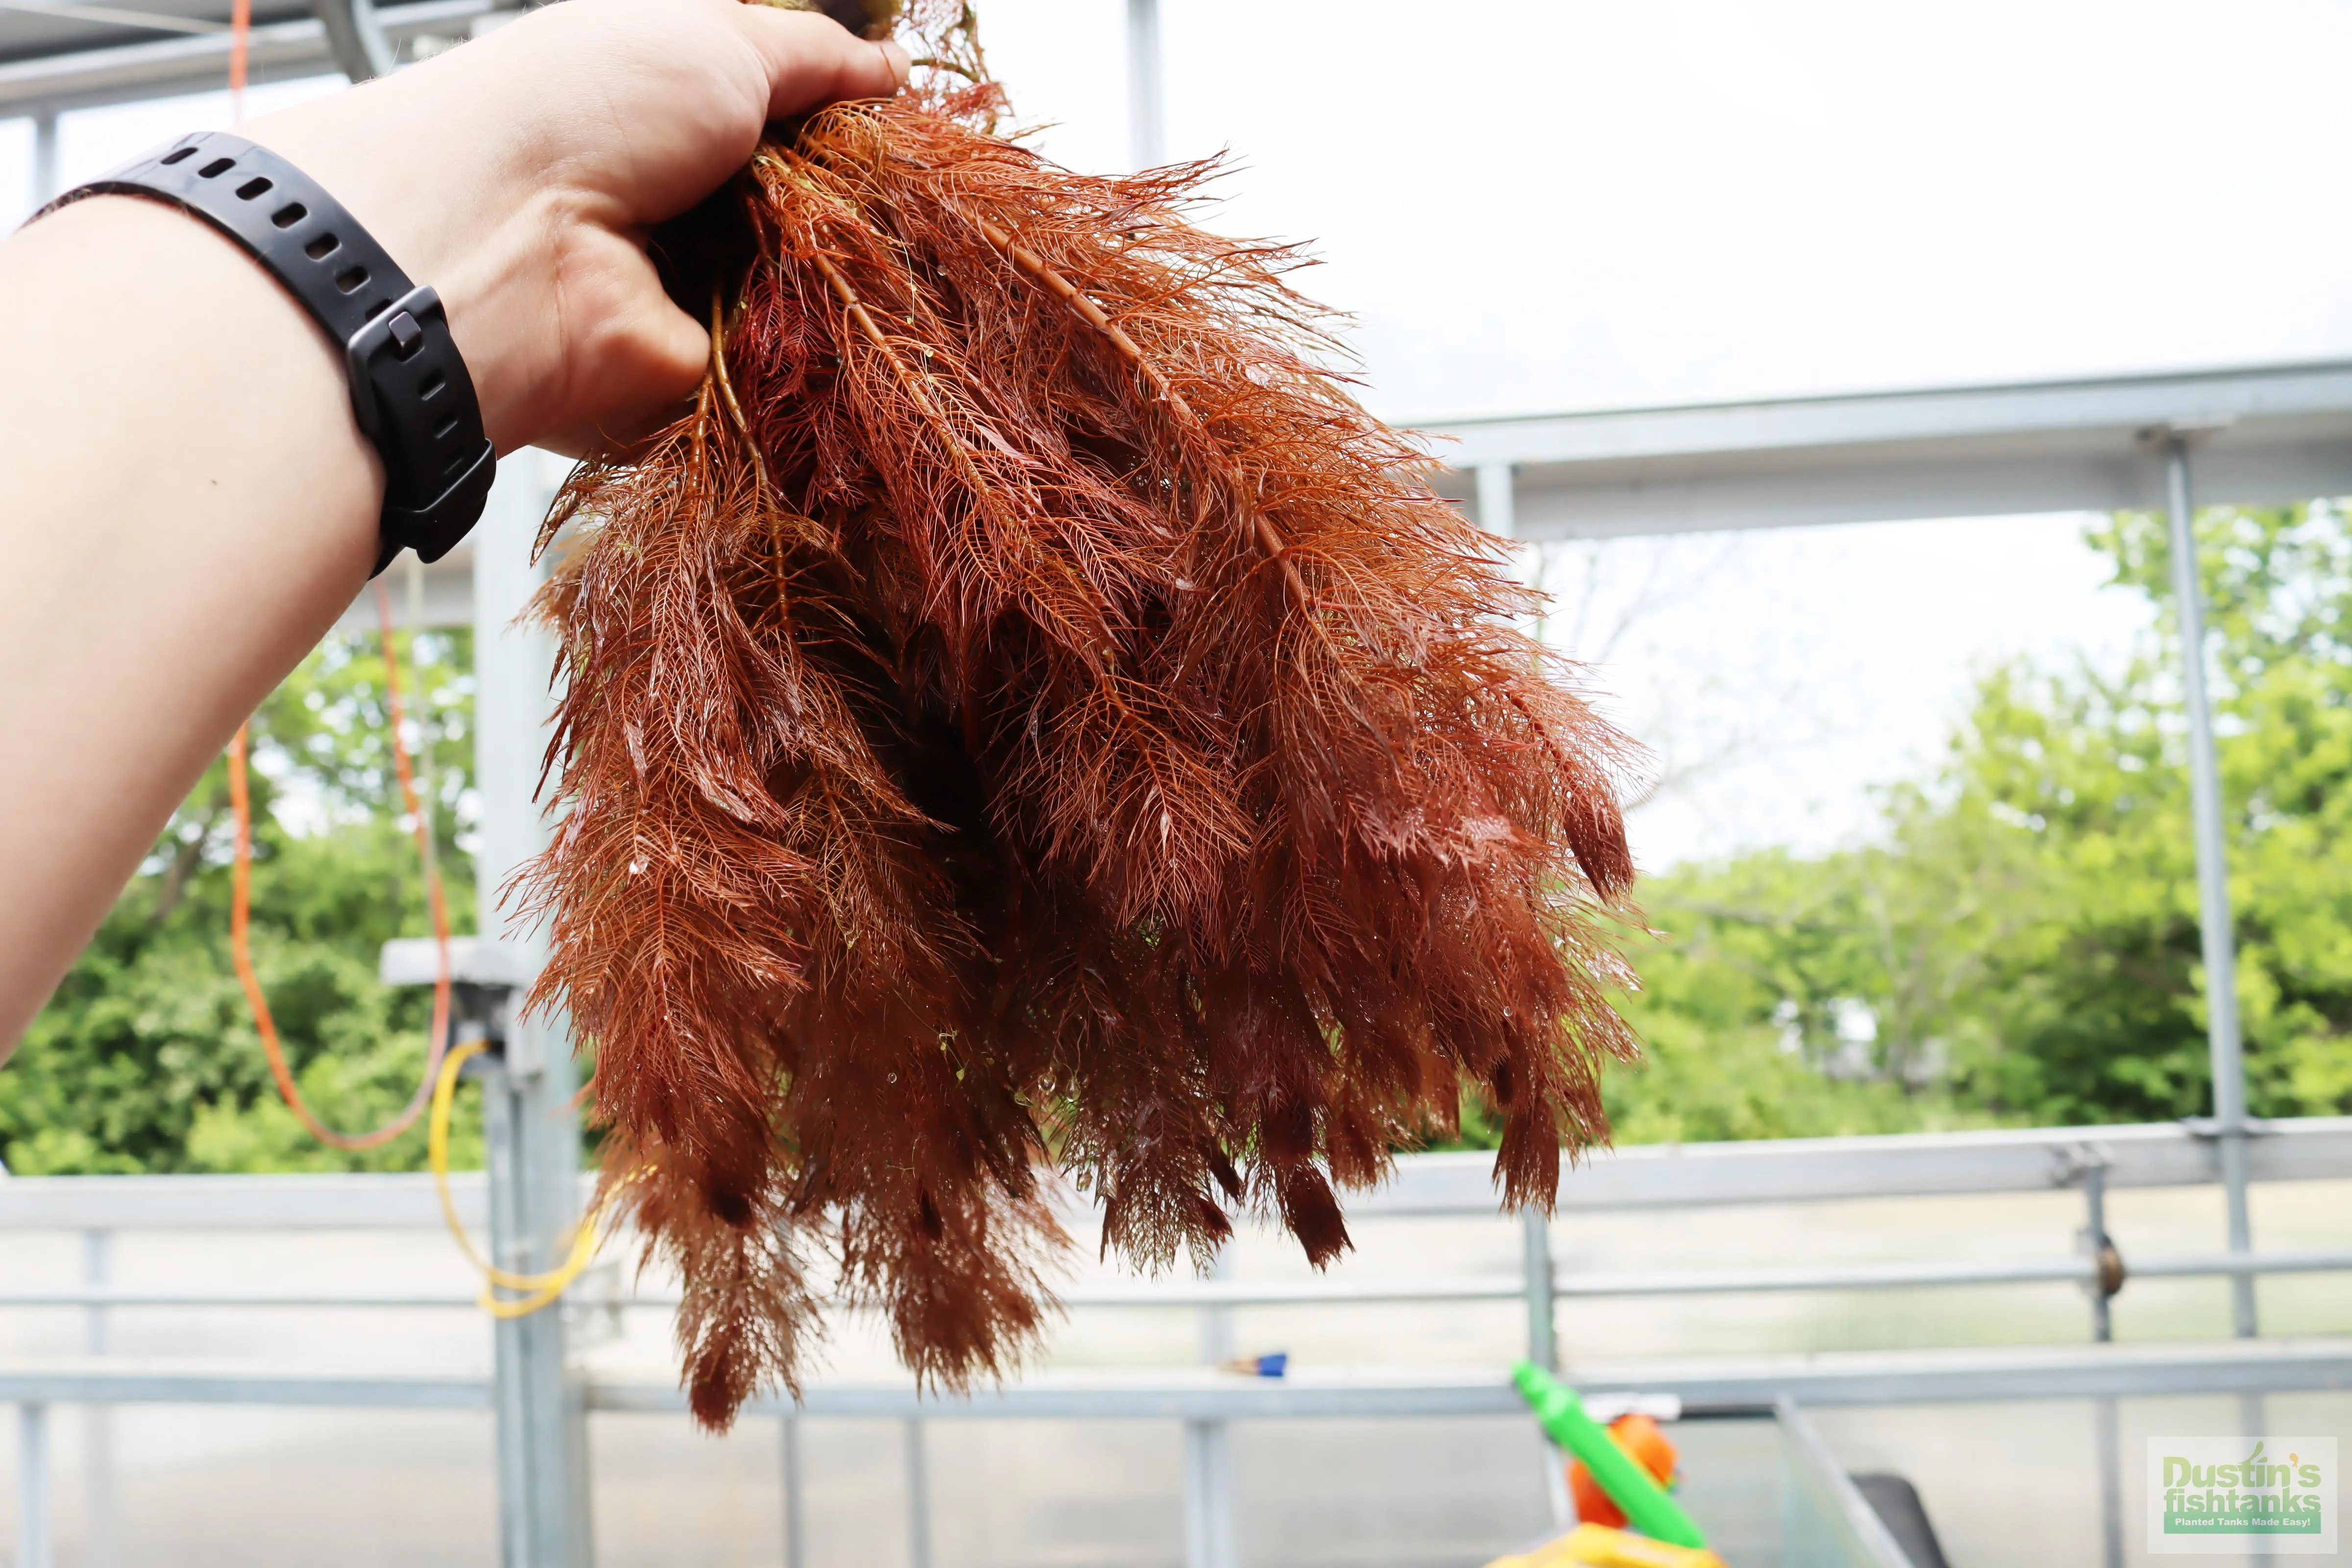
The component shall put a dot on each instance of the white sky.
(1537, 205)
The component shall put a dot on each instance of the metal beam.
(280, 51)
(1645, 1176)
(2279, 433)
(1175, 1294)
(1806, 1170)
(2271, 433)
(1850, 1377)
(183, 1204)
(113, 1382)
(355, 38)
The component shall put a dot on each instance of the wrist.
(454, 219)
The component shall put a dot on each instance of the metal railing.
(2095, 1162)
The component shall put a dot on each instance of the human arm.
(189, 502)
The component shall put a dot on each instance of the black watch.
(409, 386)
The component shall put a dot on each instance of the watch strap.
(410, 390)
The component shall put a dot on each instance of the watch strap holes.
(408, 385)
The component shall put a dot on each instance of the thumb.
(813, 61)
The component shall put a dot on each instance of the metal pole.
(98, 1420)
(45, 157)
(33, 1537)
(1208, 1498)
(2224, 1044)
(919, 1497)
(2111, 1484)
(795, 1506)
(1497, 500)
(2097, 1243)
(1543, 1347)
(531, 1128)
(1143, 81)
(1209, 1539)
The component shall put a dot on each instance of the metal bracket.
(2209, 1129)
(2085, 1166)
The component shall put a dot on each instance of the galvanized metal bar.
(2109, 1442)
(1540, 1282)
(1846, 1377)
(795, 1501)
(96, 1245)
(2155, 1154)
(98, 1421)
(1208, 1447)
(1498, 1288)
(1850, 1377)
(919, 1496)
(1805, 1170)
(342, 1201)
(99, 1298)
(355, 38)
(1937, 452)
(2224, 1045)
(531, 1127)
(1209, 1538)
(45, 157)
(1498, 511)
(1857, 1276)
(64, 1381)
(1540, 1286)
(277, 51)
(36, 1532)
(1146, 116)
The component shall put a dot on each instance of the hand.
(190, 500)
(518, 176)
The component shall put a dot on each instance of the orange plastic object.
(1639, 1436)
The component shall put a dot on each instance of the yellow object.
(1598, 1546)
(539, 1288)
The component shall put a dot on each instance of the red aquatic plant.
(1028, 715)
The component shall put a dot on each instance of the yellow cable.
(541, 1288)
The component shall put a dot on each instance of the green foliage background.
(2017, 944)
(146, 1059)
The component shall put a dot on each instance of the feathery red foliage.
(1029, 715)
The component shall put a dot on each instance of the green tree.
(146, 1057)
(2023, 940)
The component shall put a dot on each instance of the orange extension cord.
(240, 39)
(439, 1086)
(240, 920)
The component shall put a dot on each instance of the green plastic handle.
(1647, 1507)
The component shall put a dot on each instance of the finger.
(812, 60)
